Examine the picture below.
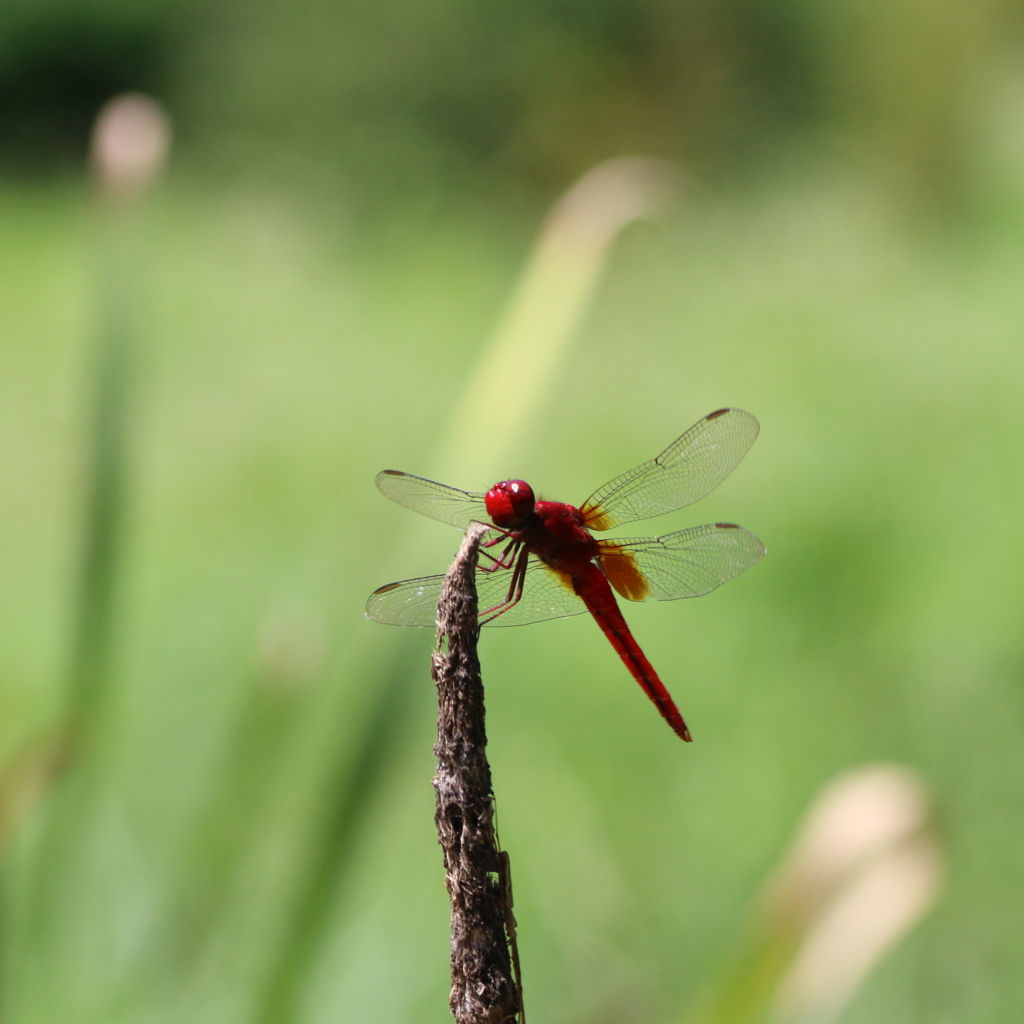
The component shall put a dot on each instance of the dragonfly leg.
(503, 561)
(496, 540)
(515, 591)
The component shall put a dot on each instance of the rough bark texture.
(484, 988)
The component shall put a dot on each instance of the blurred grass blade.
(528, 347)
(129, 147)
(350, 793)
(863, 869)
(229, 823)
(866, 868)
(524, 355)
(130, 140)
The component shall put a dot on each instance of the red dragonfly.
(552, 565)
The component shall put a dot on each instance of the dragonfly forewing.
(438, 501)
(687, 470)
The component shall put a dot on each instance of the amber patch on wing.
(564, 578)
(621, 569)
(596, 518)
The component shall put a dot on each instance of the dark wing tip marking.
(385, 588)
(718, 412)
(727, 526)
(382, 476)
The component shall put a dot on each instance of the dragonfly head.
(509, 503)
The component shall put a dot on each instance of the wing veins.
(688, 469)
(414, 602)
(429, 498)
(691, 562)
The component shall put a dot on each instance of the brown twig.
(485, 988)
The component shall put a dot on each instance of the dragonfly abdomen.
(592, 586)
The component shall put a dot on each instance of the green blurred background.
(247, 835)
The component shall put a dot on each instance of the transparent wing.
(409, 603)
(414, 602)
(689, 468)
(687, 563)
(446, 504)
(546, 595)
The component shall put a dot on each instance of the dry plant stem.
(484, 988)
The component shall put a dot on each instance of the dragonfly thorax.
(510, 503)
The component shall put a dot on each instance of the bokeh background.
(215, 797)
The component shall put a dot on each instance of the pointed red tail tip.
(684, 735)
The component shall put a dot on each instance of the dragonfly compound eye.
(510, 502)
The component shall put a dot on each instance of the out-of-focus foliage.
(462, 94)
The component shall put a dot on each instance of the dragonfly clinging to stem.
(548, 564)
